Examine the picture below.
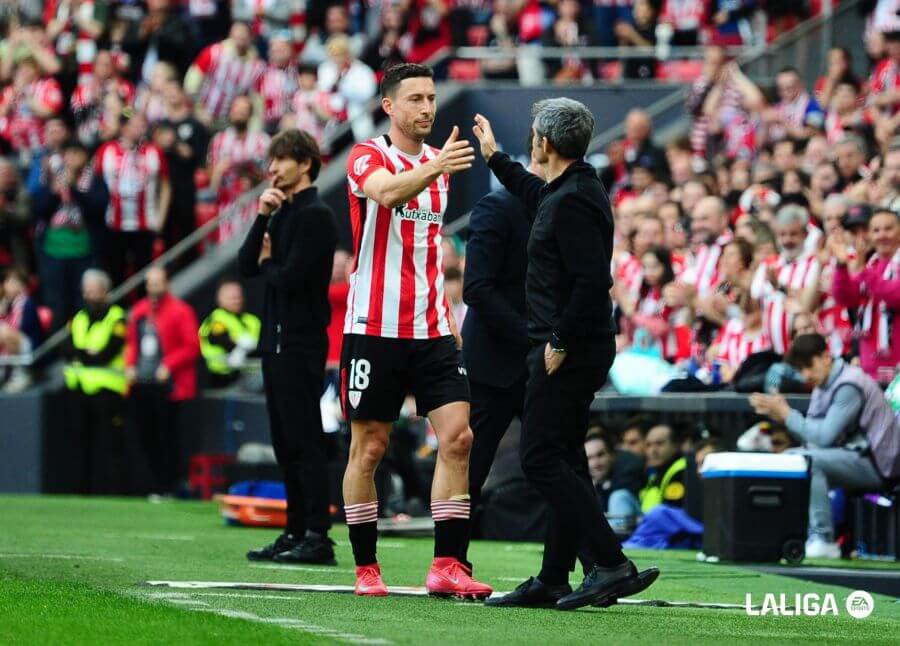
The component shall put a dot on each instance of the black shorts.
(378, 373)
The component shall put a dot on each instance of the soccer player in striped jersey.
(399, 332)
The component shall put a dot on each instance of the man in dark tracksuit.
(495, 333)
(572, 335)
(291, 246)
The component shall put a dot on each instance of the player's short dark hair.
(299, 146)
(395, 74)
(804, 349)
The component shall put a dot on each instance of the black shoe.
(601, 586)
(531, 594)
(314, 549)
(282, 544)
(644, 580)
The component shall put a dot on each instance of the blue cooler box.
(755, 506)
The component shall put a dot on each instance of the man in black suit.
(572, 333)
(495, 331)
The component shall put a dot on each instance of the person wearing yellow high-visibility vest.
(228, 335)
(95, 378)
(667, 467)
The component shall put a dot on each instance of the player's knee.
(367, 450)
(458, 445)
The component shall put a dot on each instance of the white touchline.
(301, 568)
(72, 557)
(406, 591)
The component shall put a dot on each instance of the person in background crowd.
(797, 115)
(665, 467)
(25, 106)
(640, 31)
(98, 100)
(788, 283)
(337, 23)
(151, 96)
(20, 327)
(183, 139)
(846, 411)
(278, 84)
(571, 29)
(350, 86)
(338, 289)
(162, 34)
(840, 64)
(221, 73)
(873, 285)
(228, 335)
(15, 212)
(453, 288)
(237, 152)
(95, 379)
(160, 367)
(136, 175)
(617, 476)
(633, 437)
(69, 206)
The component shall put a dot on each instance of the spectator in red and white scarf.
(137, 177)
(874, 288)
(76, 26)
(739, 338)
(20, 327)
(709, 235)
(845, 115)
(222, 72)
(884, 84)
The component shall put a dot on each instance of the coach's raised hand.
(271, 200)
(485, 135)
(456, 155)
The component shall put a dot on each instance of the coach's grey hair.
(791, 214)
(567, 124)
(97, 275)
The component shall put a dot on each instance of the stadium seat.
(207, 473)
(465, 70)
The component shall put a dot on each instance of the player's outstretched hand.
(271, 200)
(485, 135)
(456, 155)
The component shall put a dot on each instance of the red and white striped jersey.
(397, 284)
(798, 274)
(833, 318)
(249, 150)
(735, 344)
(685, 15)
(225, 77)
(72, 37)
(629, 273)
(703, 272)
(133, 177)
(21, 126)
(277, 85)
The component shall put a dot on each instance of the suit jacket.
(495, 331)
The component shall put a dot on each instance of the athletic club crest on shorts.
(353, 397)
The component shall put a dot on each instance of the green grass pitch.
(71, 572)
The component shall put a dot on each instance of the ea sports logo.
(860, 604)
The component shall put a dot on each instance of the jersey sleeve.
(364, 160)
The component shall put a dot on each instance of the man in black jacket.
(572, 337)
(291, 246)
(495, 334)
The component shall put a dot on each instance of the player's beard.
(417, 132)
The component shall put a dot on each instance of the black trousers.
(99, 440)
(294, 382)
(128, 249)
(492, 411)
(154, 418)
(557, 409)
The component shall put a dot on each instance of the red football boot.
(368, 581)
(450, 578)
